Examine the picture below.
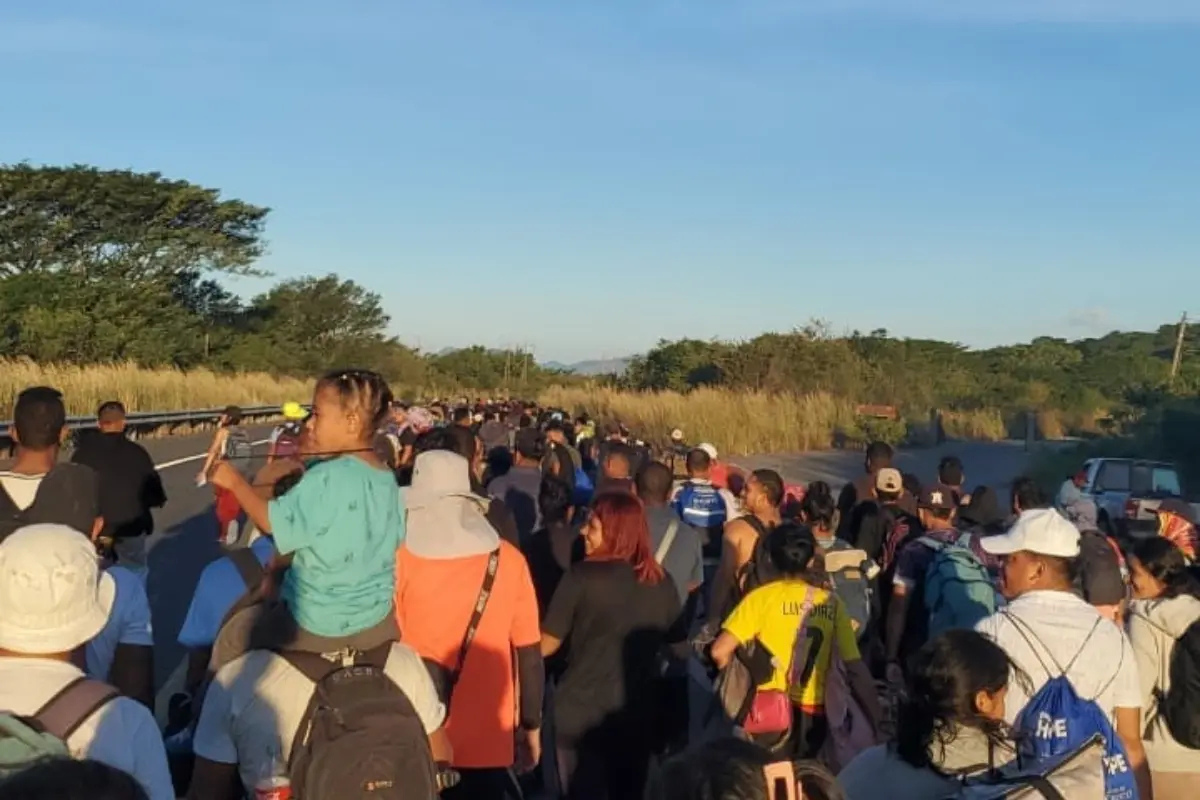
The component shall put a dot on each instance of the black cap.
(938, 498)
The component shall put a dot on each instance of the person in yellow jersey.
(775, 615)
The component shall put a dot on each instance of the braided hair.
(362, 391)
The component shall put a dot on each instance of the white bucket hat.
(53, 596)
(708, 448)
(445, 518)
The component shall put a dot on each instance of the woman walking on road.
(616, 610)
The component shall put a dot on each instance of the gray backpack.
(24, 741)
(360, 735)
(1077, 773)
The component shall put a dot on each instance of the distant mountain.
(604, 366)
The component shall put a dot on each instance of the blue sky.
(588, 177)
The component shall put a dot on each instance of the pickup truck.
(1127, 492)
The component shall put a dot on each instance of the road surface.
(186, 537)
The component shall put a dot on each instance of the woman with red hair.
(615, 611)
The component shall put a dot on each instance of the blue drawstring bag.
(1057, 721)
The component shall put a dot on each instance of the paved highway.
(186, 537)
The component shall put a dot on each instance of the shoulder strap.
(756, 523)
(485, 592)
(1022, 627)
(932, 544)
(319, 666)
(62, 714)
(664, 546)
(248, 566)
(801, 629)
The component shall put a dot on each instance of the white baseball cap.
(53, 596)
(708, 448)
(1041, 530)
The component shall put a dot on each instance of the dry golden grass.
(140, 389)
(985, 425)
(737, 422)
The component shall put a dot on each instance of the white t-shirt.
(21, 488)
(256, 703)
(219, 587)
(122, 733)
(128, 623)
(1104, 669)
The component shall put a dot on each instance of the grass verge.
(140, 389)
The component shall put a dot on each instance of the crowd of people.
(497, 600)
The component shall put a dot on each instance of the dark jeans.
(484, 784)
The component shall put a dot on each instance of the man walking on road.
(36, 488)
(130, 486)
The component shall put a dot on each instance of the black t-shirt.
(69, 494)
(616, 628)
(550, 553)
(129, 484)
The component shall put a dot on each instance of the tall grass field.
(736, 421)
(86, 387)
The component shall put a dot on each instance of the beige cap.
(889, 480)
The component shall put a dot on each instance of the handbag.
(771, 710)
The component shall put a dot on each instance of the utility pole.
(1178, 360)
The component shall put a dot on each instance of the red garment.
(228, 508)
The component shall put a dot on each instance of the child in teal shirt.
(343, 521)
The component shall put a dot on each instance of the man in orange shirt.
(452, 563)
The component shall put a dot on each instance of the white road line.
(189, 459)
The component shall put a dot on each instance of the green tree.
(121, 225)
(308, 324)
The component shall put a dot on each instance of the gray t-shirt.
(683, 560)
(518, 489)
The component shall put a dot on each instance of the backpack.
(1077, 773)
(25, 741)
(897, 531)
(1180, 705)
(958, 590)
(287, 444)
(238, 448)
(584, 488)
(1057, 721)
(702, 506)
(360, 733)
(759, 570)
(849, 574)
(850, 728)
(69, 494)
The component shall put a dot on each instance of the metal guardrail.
(144, 421)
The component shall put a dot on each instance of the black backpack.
(69, 494)
(759, 570)
(360, 736)
(1180, 705)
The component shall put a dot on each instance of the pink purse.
(771, 710)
